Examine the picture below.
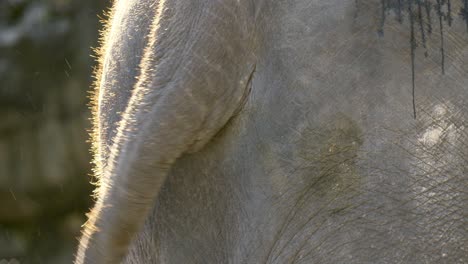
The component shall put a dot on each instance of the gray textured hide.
(295, 131)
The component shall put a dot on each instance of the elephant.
(299, 131)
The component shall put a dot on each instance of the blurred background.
(46, 69)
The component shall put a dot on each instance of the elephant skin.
(295, 131)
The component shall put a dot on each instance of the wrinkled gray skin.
(278, 132)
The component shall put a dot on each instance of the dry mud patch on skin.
(327, 154)
(318, 182)
(320, 157)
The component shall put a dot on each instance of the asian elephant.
(289, 131)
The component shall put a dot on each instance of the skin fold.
(281, 132)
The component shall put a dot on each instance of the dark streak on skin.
(400, 18)
(382, 22)
(449, 13)
(413, 48)
(441, 27)
(421, 28)
(428, 6)
(464, 13)
(422, 16)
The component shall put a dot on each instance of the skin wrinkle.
(303, 227)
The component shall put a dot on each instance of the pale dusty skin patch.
(436, 190)
(443, 129)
